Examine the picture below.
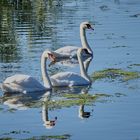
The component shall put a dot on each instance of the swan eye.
(88, 26)
(85, 51)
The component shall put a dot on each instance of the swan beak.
(52, 57)
(91, 28)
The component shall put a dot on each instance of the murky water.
(28, 27)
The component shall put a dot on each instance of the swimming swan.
(68, 79)
(25, 83)
(71, 51)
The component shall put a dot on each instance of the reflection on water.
(48, 123)
(26, 101)
(26, 29)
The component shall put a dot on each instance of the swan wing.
(68, 79)
(68, 50)
(21, 83)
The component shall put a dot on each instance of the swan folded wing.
(68, 79)
(68, 50)
(21, 83)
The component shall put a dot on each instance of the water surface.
(28, 27)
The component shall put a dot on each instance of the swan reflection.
(48, 123)
(82, 113)
(21, 101)
(27, 101)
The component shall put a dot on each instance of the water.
(27, 28)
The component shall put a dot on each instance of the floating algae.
(67, 100)
(74, 99)
(115, 73)
(50, 137)
(55, 137)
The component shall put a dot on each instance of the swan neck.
(82, 68)
(45, 113)
(46, 79)
(84, 38)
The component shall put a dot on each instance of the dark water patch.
(135, 15)
(120, 46)
(6, 136)
(112, 74)
(104, 8)
(9, 53)
(1, 109)
(15, 132)
(119, 94)
(135, 65)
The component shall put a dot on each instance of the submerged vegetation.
(66, 100)
(56, 137)
(115, 73)
(74, 99)
(51, 137)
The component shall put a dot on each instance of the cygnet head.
(86, 25)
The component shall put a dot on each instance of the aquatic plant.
(51, 137)
(112, 73)
(55, 137)
(74, 99)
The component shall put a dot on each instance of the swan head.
(50, 55)
(86, 25)
(49, 124)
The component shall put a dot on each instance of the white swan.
(70, 51)
(25, 83)
(22, 83)
(64, 79)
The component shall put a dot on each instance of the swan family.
(26, 83)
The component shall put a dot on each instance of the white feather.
(68, 79)
(21, 83)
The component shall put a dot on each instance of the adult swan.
(25, 83)
(70, 51)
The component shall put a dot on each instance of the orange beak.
(52, 57)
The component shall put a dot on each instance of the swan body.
(22, 83)
(67, 51)
(71, 51)
(69, 79)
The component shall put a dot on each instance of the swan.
(68, 79)
(21, 83)
(25, 83)
(70, 51)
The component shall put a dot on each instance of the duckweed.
(115, 73)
